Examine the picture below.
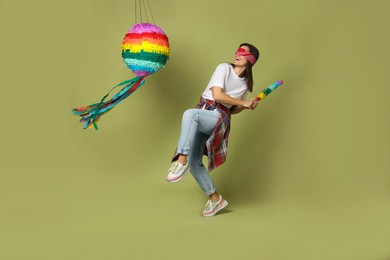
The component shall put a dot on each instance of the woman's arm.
(237, 109)
(221, 97)
(238, 104)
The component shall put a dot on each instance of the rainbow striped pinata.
(145, 50)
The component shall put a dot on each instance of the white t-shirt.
(225, 77)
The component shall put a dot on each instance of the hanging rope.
(150, 10)
(141, 10)
(135, 12)
(146, 13)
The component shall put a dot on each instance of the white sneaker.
(212, 208)
(177, 171)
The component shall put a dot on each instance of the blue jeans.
(197, 126)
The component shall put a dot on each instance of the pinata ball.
(145, 50)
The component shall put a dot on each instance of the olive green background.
(307, 175)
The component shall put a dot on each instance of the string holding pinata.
(145, 50)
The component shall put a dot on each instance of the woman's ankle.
(182, 159)
(214, 197)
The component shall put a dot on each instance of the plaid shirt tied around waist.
(217, 144)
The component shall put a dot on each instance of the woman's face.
(239, 60)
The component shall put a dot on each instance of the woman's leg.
(216, 202)
(197, 167)
(195, 120)
(197, 126)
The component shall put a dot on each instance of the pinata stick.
(268, 90)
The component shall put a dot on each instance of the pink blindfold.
(247, 55)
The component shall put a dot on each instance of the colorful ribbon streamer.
(91, 114)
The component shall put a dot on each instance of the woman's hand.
(251, 104)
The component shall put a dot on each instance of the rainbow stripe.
(145, 49)
(268, 90)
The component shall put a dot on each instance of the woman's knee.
(189, 114)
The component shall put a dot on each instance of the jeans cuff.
(208, 193)
(181, 150)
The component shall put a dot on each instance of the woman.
(208, 125)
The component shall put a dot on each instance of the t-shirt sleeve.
(219, 76)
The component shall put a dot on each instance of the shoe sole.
(221, 207)
(178, 179)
